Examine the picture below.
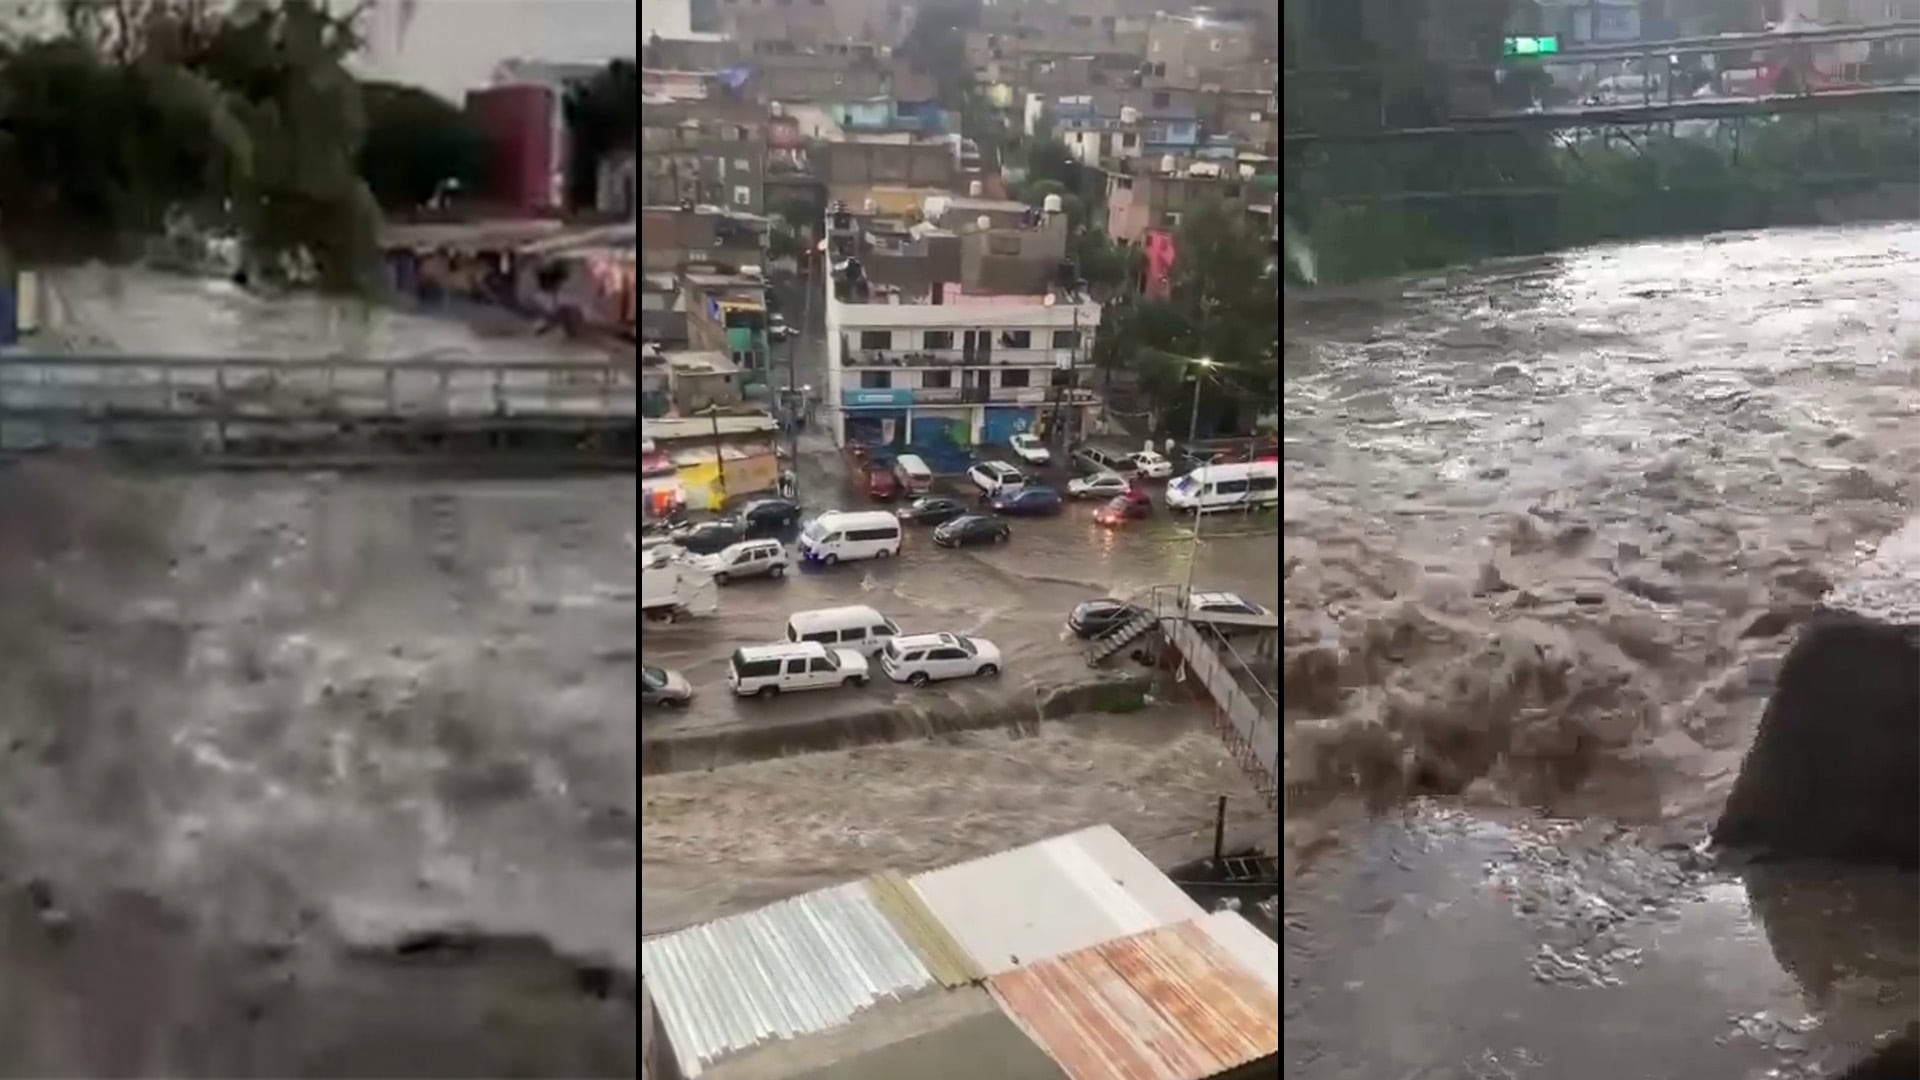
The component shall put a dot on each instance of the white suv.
(921, 658)
(765, 670)
(993, 477)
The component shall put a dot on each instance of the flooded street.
(1550, 526)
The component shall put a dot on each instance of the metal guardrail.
(267, 391)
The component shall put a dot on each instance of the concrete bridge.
(239, 407)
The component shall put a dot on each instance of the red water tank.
(526, 151)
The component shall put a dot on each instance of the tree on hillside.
(603, 115)
(141, 112)
(418, 145)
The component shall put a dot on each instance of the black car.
(933, 510)
(709, 537)
(768, 517)
(1096, 617)
(969, 529)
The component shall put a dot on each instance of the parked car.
(1095, 460)
(769, 516)
(880, 482)
(709, 537)
(1120, 509)
(969, 529)
(1096, 617)
(932, 510)
(1224, 606)
(1151, 465)
(995, 476)
(748, 558)
(658, 686)
(765, 670)
(1030, 449)
(922, 658)
(1099, 486)
(1036, 501)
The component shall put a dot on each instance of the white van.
(913, 473)
(765, 670)
(840, 535)
(857, 627)
(1244, 486)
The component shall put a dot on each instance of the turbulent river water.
(1549, 527)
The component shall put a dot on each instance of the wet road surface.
(1016, 595)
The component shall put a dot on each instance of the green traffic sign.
(1532, 46)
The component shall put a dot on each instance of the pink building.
(1158, 247)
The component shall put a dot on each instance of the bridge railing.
(286, 391)
(1251, 732)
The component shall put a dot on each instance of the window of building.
(1170, 219)
(936, 380)
(1003, 245)
(1066, 339)
(876, 380)
(1129, 141)
(742, 165)
(742, 195)
(876, 339)
(1014, 378)
(937, 339)
(1016, 339)
(1161, 99)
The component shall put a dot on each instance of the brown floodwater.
(1549, 527)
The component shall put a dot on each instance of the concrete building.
(1198, 50)
(675, 238)
(698, 381)
(1152, 194)
(855, 163)
(928, 364)
(727, 314)
(706, 153)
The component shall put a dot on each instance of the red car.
(881, 484)
(1124, 508)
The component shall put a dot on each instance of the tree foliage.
(139, 113)
(417, 146)
(603, 115)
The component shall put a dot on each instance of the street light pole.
(1200, 364)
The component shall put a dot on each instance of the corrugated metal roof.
(1169, 1004)
(1244, 942)
(923, 931)
(1040, 901)
(800, 966)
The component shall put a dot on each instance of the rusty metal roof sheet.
(800, 966)
(1040, 901)
(1168, 1004)
(1244, 942)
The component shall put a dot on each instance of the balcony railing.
(970, 395)
(960, 358)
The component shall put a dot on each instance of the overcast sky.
(453, 45)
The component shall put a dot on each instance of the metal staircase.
(1108, 644)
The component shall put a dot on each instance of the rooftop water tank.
(975, 189)
(1129, 114)
(984, 222)
(1166, 163)
(1052, 204)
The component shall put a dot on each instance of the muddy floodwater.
(1549, 528)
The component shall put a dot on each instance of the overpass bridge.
(259, 409)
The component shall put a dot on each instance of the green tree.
(142, 113)
(603, 115)
(417, 146)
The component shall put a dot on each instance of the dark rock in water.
(1834, 772)
(1898, 1059)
